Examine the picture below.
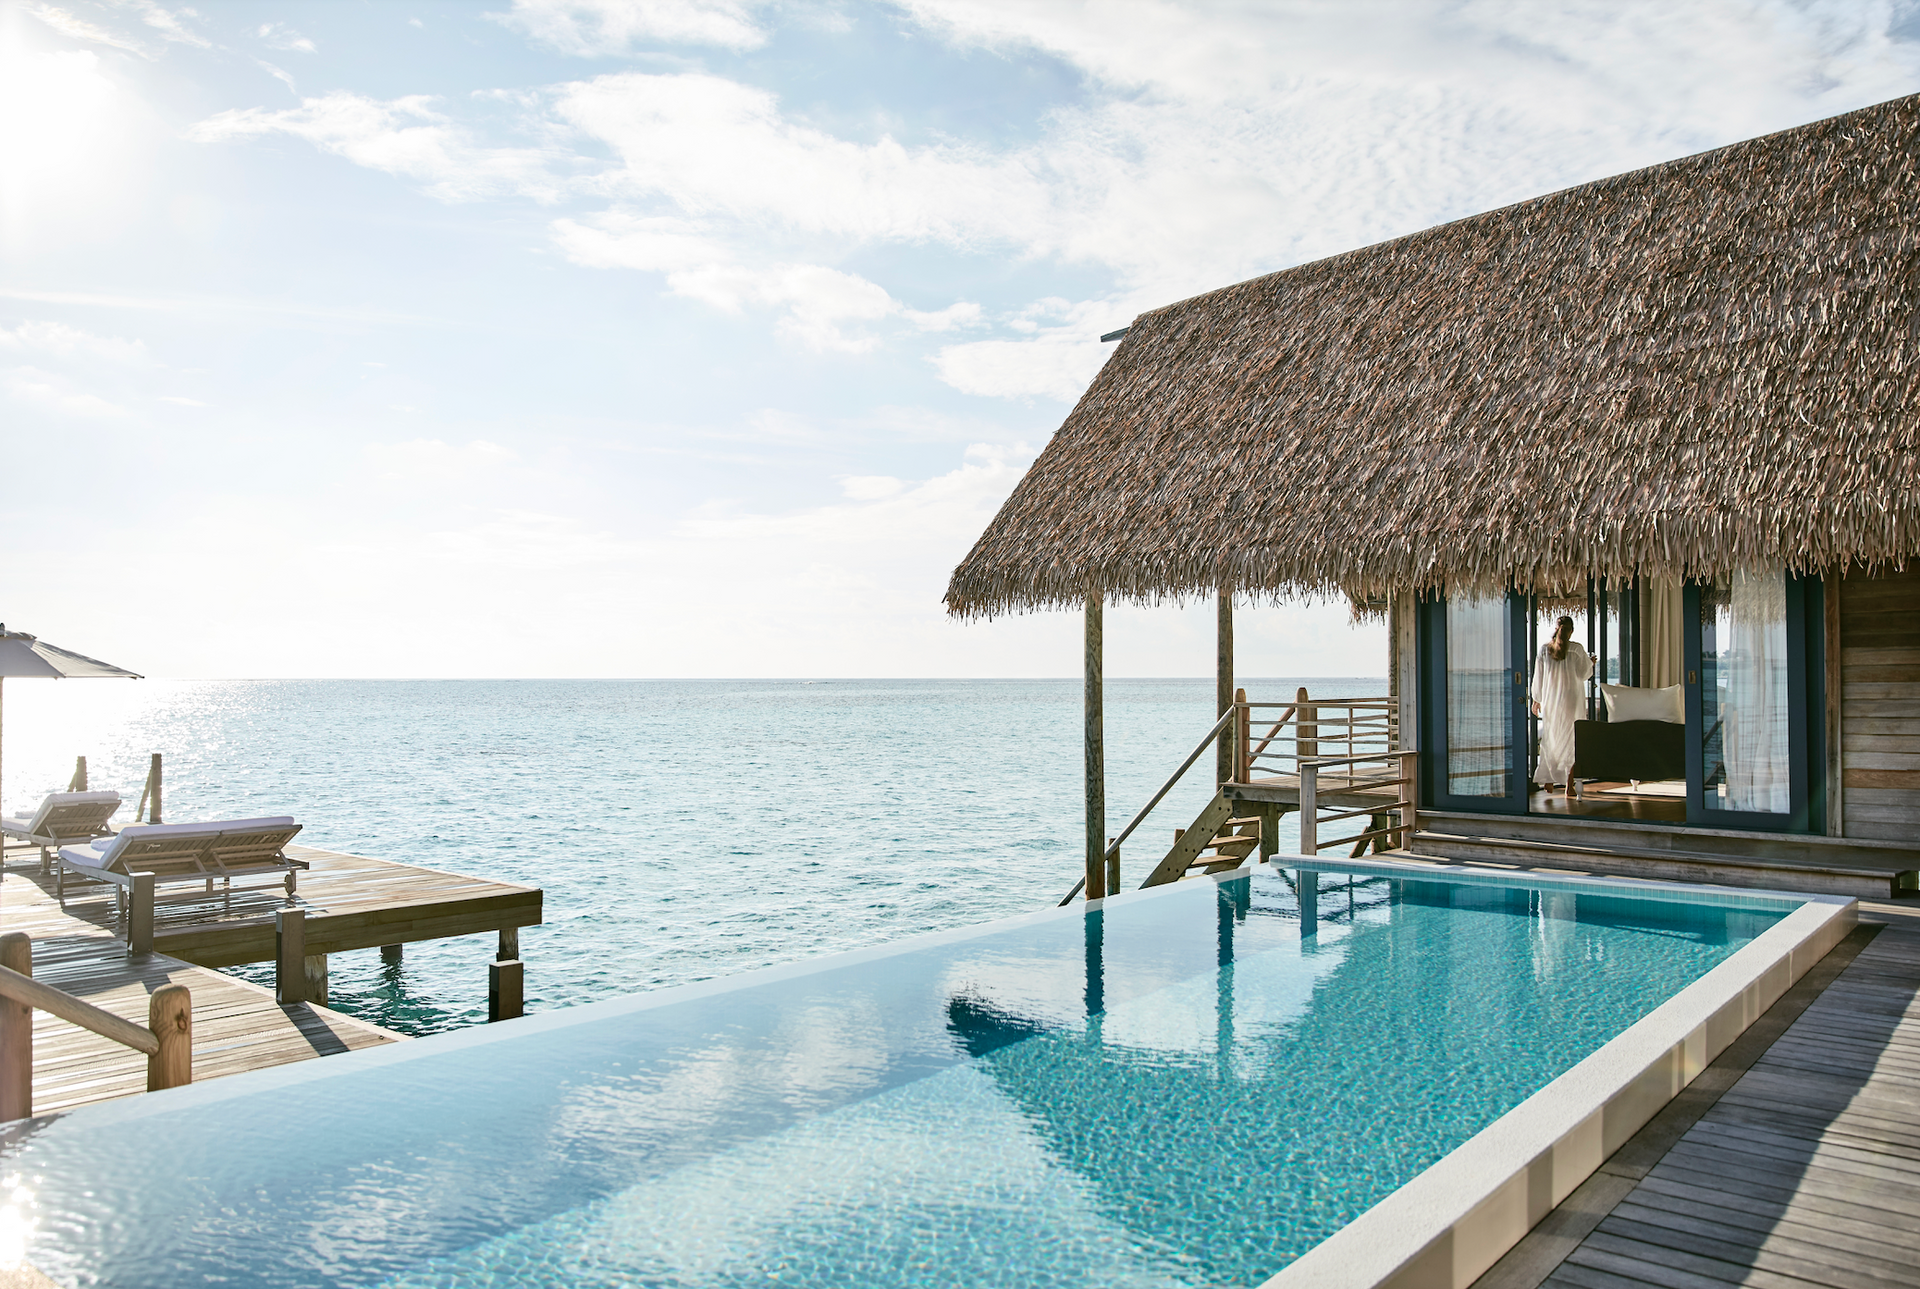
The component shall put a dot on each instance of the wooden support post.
(79, 781)
(506, 983)
(390, 952)
(509, 949)
(16, 1034)
(1835, 771)
(290, 956)
(1242, 738)
(1270, 815)
(1223, 687)
(1306, 731)
(1096, 750)
(315, 970)
(170, 1017)
(1113, 870)
(140, 915)
(1309, 808)
(1410, 814)
(152, 794)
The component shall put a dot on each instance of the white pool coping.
(1447, 1226)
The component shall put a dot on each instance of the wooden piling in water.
(1223, 686)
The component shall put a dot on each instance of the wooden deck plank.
(237, 1025)
(1803, 1174)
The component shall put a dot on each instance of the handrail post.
(290, 956)
(1242, 738)
(16, 1034)
(1309, 807)
(140, 915)
(1409, 814)
(150, 793)
(170, 1017)
(1113, 869)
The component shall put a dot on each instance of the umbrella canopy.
(25, 656)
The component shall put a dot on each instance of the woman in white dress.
(1559, 694)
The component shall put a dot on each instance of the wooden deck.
(236, 1026)
(351, 902)
(1792, 1162)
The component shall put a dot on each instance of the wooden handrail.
(27, 990)
(1113, 847)
(167, 1040)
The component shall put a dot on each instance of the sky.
(703, 337)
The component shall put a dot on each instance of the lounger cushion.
(104, 850)
(31, 827)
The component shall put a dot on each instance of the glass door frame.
(1806, 716)
(1431, 642)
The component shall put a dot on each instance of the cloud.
(817, 300)
(278, 35)
(598, 28)
(54, 393)
(403, 136)
(79, 29)
(168, 23)
(60, 341)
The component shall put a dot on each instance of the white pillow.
(1626, 703)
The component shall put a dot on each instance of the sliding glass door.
(1474, 709)
(1753, 690)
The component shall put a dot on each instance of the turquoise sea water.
(1188, 1087)
(681, 829)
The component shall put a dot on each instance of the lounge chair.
(176, 853)
(64, 819)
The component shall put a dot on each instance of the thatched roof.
(1711, 363)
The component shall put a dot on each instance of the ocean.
(680, 829)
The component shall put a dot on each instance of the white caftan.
(1560, 687)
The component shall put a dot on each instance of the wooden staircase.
(1213, 843)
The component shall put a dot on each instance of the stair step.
(1747, 870)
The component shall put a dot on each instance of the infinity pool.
(1190, 1086)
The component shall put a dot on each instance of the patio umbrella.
(23, 655)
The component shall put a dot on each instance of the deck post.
(1306, 730)
(391, 952)
(1096, 751)
(509, 950)
(1223, 686)
(1410, 813)
(1309, 808)
(170, 1017)
(314, 968)
(289, 956)
(16, 1034)
(140, 915)
(506, 984)
(1242, 739)
(150, 795)
(79, 781)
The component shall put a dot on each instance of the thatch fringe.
(1710, 364)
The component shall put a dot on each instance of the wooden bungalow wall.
(1880, 705)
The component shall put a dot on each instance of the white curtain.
(1753, 660)
(1479, 696)
(1660, 641)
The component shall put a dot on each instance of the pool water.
(1190, 1086)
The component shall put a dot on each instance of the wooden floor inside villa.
(1792, 1162)
(351, 903)
(237, 1026)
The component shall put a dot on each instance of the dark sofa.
(1622, 750)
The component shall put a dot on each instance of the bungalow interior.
(1680, 406)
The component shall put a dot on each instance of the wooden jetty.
(1792, 1162)
(344, 903)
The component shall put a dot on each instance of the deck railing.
(167, 1039)
(1402, 771)
(1273, 745)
